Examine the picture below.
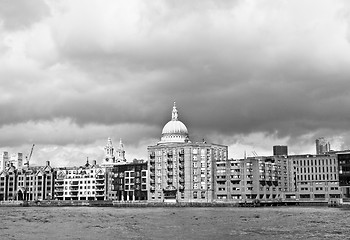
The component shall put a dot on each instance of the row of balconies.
(232, 177)
(181, 180)
(59, 189)
(74, 182)
(170, 173)
(169, 153)
(170, 180)
(235, 181)
(269, 171)
(153, 188)
(269, 183)
(73, 193)
(269, 178)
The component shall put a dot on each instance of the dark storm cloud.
(63, 132)
(233, 67)
(290, 98)
(20, 14)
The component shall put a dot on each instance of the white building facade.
(81, 183)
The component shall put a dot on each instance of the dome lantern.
(174, 113)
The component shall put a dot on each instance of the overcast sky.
(247, 74)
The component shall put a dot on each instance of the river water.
(174, 223)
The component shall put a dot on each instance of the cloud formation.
(21, 14)
(244, 73)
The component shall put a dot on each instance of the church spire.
(121, 145)
(109, 150)
(174, 115)
(121, 152)
(109, 142)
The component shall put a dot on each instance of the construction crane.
(30, 156)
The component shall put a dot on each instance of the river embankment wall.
(117, 204)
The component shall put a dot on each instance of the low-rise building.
(27, 183)
(87, 182)
(35, 183)
(278, 178)
(316, 177)
(128, 181)
(253, 178)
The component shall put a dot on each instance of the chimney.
(47, 163)
(94, 163)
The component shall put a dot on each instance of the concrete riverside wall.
(140, 204)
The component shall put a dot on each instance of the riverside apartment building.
(278, 178)
(87, 182)
(179, 170)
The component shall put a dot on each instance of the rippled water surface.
(174, 223)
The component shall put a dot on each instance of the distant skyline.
(247, 74)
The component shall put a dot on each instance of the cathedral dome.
(174, 131)
(174, 127)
